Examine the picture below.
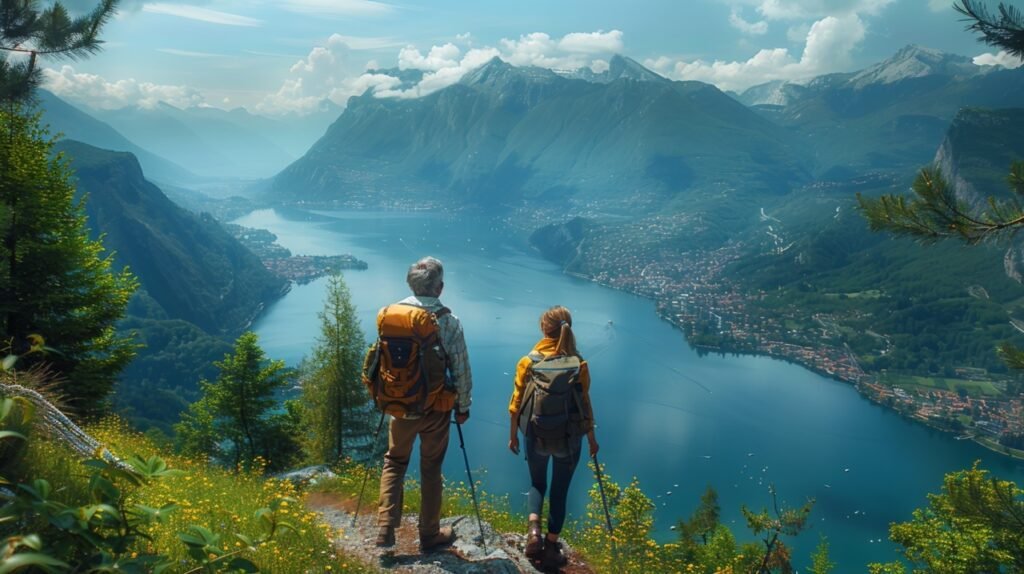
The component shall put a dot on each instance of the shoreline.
(1015, 455)
(739, 351)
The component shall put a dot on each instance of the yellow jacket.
(546, 347)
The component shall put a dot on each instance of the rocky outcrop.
(561, 242)
(492, 553)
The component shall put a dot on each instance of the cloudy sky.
(281, 56)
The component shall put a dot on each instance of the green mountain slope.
(187, 263)
(979, 148)
(199, 286)
(506, 134)
(75, 124)
(901, 306)
(890, 116)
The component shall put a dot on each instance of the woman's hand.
(513, 444)
(594, 447)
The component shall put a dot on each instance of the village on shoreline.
(692, 293)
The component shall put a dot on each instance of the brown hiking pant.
(432, 428)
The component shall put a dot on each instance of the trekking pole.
(472, 488)
(604, 501)
(366, 475)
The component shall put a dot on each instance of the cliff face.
(188, 264)
(561, 242)
(975, 158)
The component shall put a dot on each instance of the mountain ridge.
(76, 124)
(187, 263)
(504, 134)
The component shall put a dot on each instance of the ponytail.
(556, 323)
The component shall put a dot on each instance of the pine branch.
(1005, 31)
(936, 213)
(48, 33)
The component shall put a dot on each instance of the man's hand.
(461, 418)
(513, 444)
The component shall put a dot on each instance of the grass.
(995, 446)
(220, 499)
(973, 388)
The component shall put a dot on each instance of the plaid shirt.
(454, 344)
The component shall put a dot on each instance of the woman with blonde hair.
(551, 405)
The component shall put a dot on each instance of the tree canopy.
(29, 32)
(54, 280)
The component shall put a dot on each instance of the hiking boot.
(385, 537)
(534, 541)
(553, 557)
(444, 537)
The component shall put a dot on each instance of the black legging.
(561, 476)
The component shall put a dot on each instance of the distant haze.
(293, 56)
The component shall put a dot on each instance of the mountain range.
(193, 146)
(187, 263)
(218, 143)
(890, 116)
(72, 123)
(199, 287)
(506, 134)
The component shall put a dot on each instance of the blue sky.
(281, 56)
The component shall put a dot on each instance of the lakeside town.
(299, 269)
(693, 293)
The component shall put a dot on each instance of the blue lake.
(676, 421)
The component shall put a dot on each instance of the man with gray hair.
(426, 280)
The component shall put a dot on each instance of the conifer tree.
(54, 280)
(28, 32)
(339, 418)
(236, 408)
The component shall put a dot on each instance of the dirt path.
(503, 555)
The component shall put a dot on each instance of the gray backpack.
(552, 408)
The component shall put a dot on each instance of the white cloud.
(827, 49)
(572, 51)
(1001, 59)
(753, 28)
(338, 7)
(97, 92)
(599, 42)
(536, 49)
(444, 77)
(201, 14)
(940, 5)
(328, 72)
(817, 9)
(446, 56)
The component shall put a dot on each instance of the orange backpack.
(405, 370)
